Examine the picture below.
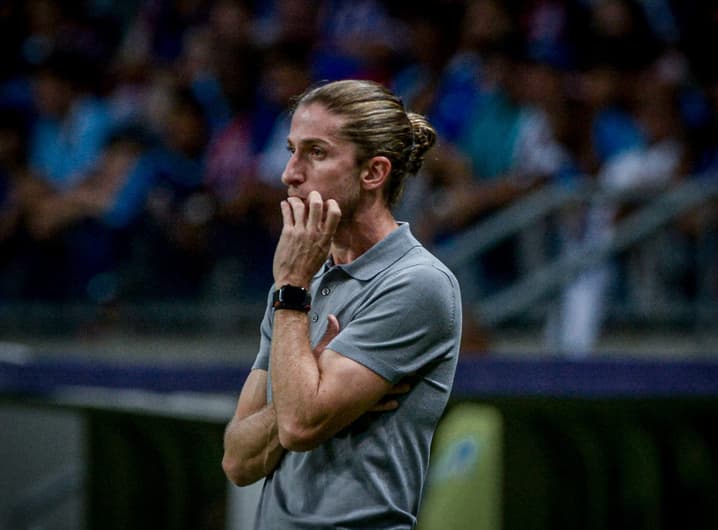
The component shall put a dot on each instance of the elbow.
(235, 471)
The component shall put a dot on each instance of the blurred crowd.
(142, 142)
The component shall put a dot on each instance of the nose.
(293, 173)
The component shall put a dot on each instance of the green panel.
(465, 484)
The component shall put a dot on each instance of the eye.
(317, 152)
(291, 149)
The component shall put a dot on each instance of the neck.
(358, 234)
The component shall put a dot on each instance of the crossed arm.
(315, 395)
(251, 444)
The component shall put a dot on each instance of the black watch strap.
(292, 297)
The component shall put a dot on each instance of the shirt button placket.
(324, 291)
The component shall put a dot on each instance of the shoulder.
(422, 284)
(422, 267)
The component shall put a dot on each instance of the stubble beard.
(349, 206)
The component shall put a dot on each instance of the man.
(361, 336)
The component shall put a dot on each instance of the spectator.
(648, 163)
(219, 62)
(356, 39)
(295, 21)
(179, 209)
(497, 160)
(72, 124)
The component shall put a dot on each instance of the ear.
(375, 173)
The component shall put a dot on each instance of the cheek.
(336, 176)
(348, 187)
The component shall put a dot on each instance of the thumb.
(331, 332)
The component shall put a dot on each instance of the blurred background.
(572, 190)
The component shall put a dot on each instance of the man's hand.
(305, 240)
(331, 332)
(390, 401)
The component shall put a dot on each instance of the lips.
(297, 196)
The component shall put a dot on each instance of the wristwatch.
(292, 297)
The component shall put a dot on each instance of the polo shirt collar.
(380, 256)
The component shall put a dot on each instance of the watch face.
(294, 296)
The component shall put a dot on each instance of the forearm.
(295, 373)
(251, 447)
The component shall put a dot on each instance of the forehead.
(314, 121)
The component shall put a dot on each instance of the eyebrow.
(311, 141)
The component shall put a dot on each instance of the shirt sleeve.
(261, 362)
(411, 319)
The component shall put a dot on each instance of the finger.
(331, 332)
(316, 210)
(287, 217)
(334, 214)
(384, 406)
(333, 325)
(400, 388)
(298, 210)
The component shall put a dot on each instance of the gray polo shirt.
(399, 309)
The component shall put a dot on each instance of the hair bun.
(424, 137)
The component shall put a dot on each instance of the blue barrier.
(44, 375)
(592, 378)
(595, 378)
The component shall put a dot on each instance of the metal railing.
(656, 212)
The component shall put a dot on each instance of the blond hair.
(378, 125)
